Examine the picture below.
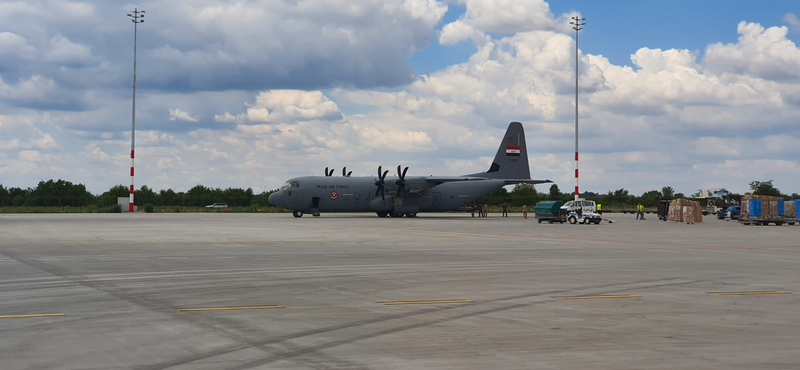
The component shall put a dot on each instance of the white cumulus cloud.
(179, 115)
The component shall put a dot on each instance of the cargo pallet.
(769, 220)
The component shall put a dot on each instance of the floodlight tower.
(576, 21)
(137, 16)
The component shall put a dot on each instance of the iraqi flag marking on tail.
(512, 150)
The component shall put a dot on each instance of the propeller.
(345, 173)
(328, 173)
(401, 183)
(380, 183)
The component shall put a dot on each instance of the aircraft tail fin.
(511, 160)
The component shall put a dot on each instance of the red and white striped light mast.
(137, 17)
(577, 27)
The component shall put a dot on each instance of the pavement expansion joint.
(228, 308)
(748, 293)
(426, 302)
(599, 296)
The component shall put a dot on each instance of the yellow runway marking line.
(748, 293)
(425, 302)
(32, 315)
(228, 308)
(599, 296)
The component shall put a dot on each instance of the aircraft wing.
(521, 181)
(442, 179)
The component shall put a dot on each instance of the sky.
(246, 94)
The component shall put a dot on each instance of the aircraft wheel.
(411, 215)
(573, 220)
(382, 214)
(396, 214)
(297, 214)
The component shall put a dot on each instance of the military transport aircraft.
(406, 196)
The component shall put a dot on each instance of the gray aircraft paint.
(422, 193)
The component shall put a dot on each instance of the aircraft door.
(356, 197)
(437, 199)
(315, 202)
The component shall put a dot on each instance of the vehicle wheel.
(540, 220)
(573, 220)
(382, 214)
(396, 214)
(411, 215)
(597, 222)
(297, 214)
(780, 223)
(791, 223)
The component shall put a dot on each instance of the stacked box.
(698, 213)
(688, 214)
(769, 207)
(678, 211)
(790, 209)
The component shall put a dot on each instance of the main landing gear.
(297, 214)
(398, 215)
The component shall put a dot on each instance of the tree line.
(526, 194)
(61, 193)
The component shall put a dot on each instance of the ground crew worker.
(505, 209)
(524, 211)
(599, 210)
(639, 211)
(485, 210)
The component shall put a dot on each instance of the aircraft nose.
(275, 199)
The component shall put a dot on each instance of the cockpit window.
(287, 185)
(295, 184)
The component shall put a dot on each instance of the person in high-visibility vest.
(640, 212)
(599, 210)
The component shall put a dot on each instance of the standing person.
(524, 212)
(505, 209)
(639, 213)
(599, 209)
(485, 210)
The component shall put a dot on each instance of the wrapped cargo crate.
(754, 207)
(688, 214)
(790, 209)
(781, 207)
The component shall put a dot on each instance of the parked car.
(217, 205)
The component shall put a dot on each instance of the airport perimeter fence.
(86, 204)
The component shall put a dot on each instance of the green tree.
(764, 188)
(109, 198)
(5, 198)
(144, 196)
(620, 196)
(555, 193)
(18, 196)
(667, 192)
(650, 198)
(199, 196)
(168, 198)
(524, 194)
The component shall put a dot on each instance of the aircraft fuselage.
(358, 194)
